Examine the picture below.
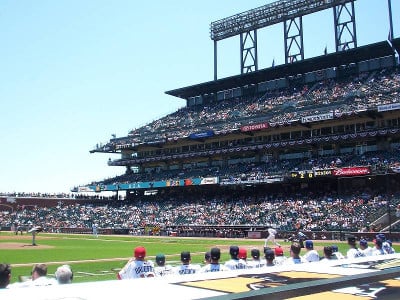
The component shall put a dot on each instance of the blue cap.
(363, 243)
(234, 251)
(335, 248)
(309, 244)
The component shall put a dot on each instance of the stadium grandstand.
(311, 145)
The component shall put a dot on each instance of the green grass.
(78, 250)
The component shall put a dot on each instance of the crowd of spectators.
(310, 211)
(277, 107)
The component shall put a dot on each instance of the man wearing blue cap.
(311, 255)
(365, 248)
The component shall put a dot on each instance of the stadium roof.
(380, 49)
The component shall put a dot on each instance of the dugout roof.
(363, 53)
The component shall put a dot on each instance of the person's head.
(207, 257)
(309, 245)
(269, 256)
(242, 253)
(381, 236)
(139, 253)
(234, 251)
(363, 244)
(255, 254)
(335, 248)
(278, 251)
(378, 243)
(160, 260)
(215, 254)
(185, 257)
(328, 252)
(351, 240)
(295, 249)
(39, 270)
(5, 275)
(64, 274)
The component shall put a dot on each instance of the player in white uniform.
(295, 257)
(311, 255)
(364, 248)
(235, 263)
(186, 267)
(162, 269)
(256, 262)
(137, 267)
(353, 251)
(271, 237)
(214, 265)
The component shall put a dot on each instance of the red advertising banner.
(253, 127)
(352, 171)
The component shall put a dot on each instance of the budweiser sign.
(352, 171)
(254, 127)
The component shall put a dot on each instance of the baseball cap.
(185, 256)
(381, 236)
(363, 243)
(309, 244)
(233, 250)
(215, 253)
(140, 252)
(278, 251)
(160, 259)
(335, 248)
(242, 253)
(270, 254)
(255, 253)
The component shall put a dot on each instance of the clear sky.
(74, 72)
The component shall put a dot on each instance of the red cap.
(242, 253)
(278, 251)
(140, 252)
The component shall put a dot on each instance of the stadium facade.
(329, 123)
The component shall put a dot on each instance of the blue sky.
(74, 72)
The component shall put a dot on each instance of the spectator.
(38, 277)
(5, 275)
(137, 267)
(64, 274)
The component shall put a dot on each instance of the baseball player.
(311, 255)
(353, 251)
(162, 269)
(214, 265)
(256, 262)
(235, 263)
(186, 267)
(364, 248)
(137, 267)
(271, 237)
(295, 257)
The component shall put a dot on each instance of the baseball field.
(100, 258)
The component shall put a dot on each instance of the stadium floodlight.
(267, 15)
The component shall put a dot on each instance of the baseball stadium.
(302, 154)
